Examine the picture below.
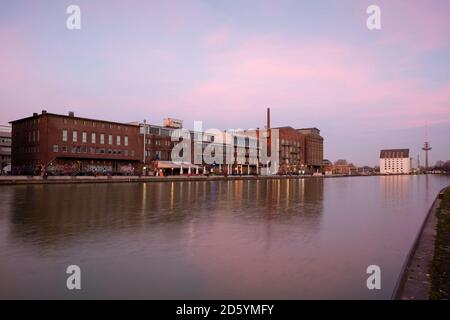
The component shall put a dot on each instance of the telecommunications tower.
(426, 147)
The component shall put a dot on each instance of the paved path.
(416, 280)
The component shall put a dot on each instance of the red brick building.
(313, 151)
(301, 150)
(292, 145)
(67, 144)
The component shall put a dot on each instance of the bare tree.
(446, 166)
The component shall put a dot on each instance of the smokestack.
(268, 119)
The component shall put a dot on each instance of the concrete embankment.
(427, 264)
(18, 180)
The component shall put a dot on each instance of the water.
(291, 239)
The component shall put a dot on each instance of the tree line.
(442, 165)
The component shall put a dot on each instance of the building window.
(64, 149)
(125, 141)
(110, 139)
(93, 137)
(84, 137)
(102, 138)
(55, 148)
(64, 135)
(126, 152)
(74, 136)
(153, 130)
(118, 140)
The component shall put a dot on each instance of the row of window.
(148, 153)
(157, 130)
(34, 149)
(91, 150)
(29, 123)
(289, 161)
(33, 136)
(95, 124)
(158, 142)
(245, 142)
(290, 143)
(84, 137)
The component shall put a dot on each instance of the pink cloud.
(218, 37)
(322, 78)
(415, 25)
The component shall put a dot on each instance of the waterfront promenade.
(12, 180)
(19, 180)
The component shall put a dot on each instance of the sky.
(314, 63)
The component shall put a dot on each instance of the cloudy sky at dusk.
(313, 62)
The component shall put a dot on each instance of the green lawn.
(440, 267)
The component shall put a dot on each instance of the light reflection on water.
(296, 238)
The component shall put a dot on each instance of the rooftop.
(394, 153)
(71, 115)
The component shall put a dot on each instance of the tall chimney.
(268, 119)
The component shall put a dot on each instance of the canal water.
(267, 239)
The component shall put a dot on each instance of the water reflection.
(42, 214)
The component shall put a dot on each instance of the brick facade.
(70, 144)
(292, 145)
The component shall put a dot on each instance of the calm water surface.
(298, 238)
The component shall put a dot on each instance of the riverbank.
(426, 274)
(440, 267)
(19, 180)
